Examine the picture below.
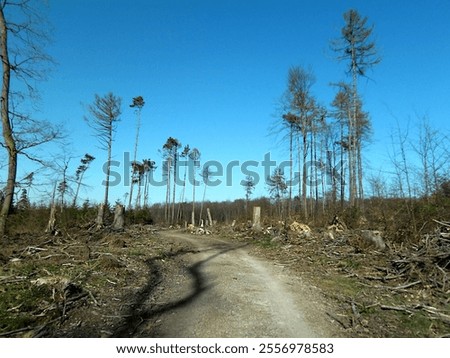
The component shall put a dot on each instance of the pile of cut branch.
(427, 262)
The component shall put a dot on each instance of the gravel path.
(220, 290)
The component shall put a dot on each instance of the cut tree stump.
(119, 217)
(100, 216)
(209, 217)
(256, 218)
(51, 226)
(374, 238)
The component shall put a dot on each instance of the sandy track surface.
(217, 289)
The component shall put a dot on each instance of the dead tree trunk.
(51, 226)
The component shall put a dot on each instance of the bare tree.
(206, 176)
(22, 39)
(363, 131)
(398, 156)
(167, 170)
(317, 132)
(183, 154)
(351, 143)
(333, 170)
(138, 103)
(355, 47)
(170, 153)
(63, 186)
(303, 112)
(194, 156)
(137, 178)
(79, 174)
(176, 145)
(149, 168)
(105, 112)
(290, 120)
(9, 141)
(432, 151)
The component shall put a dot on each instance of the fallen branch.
(50, 256)
(402, 287)
(20, 330)
(383, 278)
(434, 311)
(92, 297)
(443, 223)
(12, 279)
(396, 308)
(399, 288)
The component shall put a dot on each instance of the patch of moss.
(20, 304)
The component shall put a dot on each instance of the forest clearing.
(188, 174)
(89, 283)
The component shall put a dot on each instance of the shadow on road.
(140, 311)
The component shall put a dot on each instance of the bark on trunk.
(8, 137)
(193, 204)
(108, 168)
(305, 175)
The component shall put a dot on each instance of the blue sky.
(212, 72)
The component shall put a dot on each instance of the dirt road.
(218, 289)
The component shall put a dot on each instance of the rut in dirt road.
(219, 290)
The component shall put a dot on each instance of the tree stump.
(51, 226)
(256, 218)
(373, 238)
(209, 217)
(119, 217)
(100, 216)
